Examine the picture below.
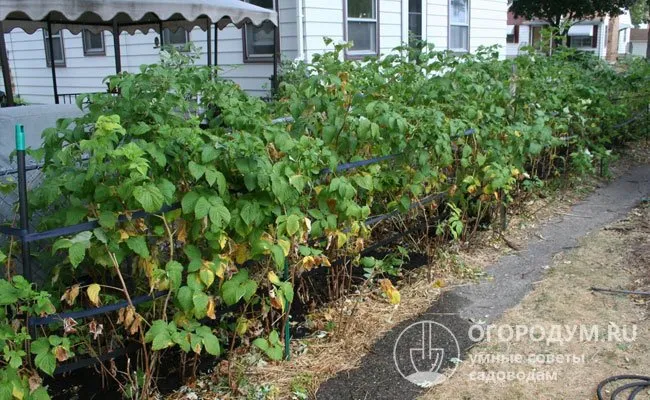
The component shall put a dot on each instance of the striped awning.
(129, 15)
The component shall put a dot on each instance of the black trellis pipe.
(6, 70)
(116, 47)
(50, 41)
(209, 42)
(216, 47)
(22, 199)
(162, 40)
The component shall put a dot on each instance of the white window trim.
(93, 52)
(167, 32)
(256, 58)
(46, 43)
(466, 24)
(375, 20)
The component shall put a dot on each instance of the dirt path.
(466, 311)
(616, 257)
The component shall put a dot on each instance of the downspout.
(299, 31)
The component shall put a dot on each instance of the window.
(580, 41)
(459, 25)
(259, 41)
(59, 53)
(361, 26)
(177, 39)
(93, 43)
(415, 20)
(513, 34)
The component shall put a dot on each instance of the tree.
(556, 12)
(640, 13)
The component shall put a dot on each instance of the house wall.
(638, 48)
(487, 24)
(32, 77)
(512, 49)
(321, 18)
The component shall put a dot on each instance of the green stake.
(20, 137)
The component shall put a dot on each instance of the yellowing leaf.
(242, 326)
(390, 291)
(181, 231)
(242, 254)
(276, 302)
(123, 235)
(93, 294)
(206, 275)
(273, 277)
(286, 246)
(210, 312)
(70, 295)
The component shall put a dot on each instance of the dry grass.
(616, 257)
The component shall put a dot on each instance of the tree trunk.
(612, 39)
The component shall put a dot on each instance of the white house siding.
(638, 48)
(488, 24)
(512, 49)
(321, 18)
(32, 77)
(390, 25)
(437, 23)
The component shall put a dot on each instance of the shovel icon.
(426, 361)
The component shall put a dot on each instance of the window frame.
(467, 25)
(515, 35)
(422, 22)
(361, 54)
(167, 32)
(258, 58)
(93, 52)
(46, 43)
(583, 39)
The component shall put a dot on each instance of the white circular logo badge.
(426, 353)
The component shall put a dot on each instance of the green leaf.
(196, 170)
(278, 256)
(46, 362)
(77, 253)
(200, 301)
(107, 219)
(149, 197)
(201, 208)
(287, 291)
(219, 215)
(139, 245)
(211, 343)
(184, 298)
(274, 353)
(162, 341)
(62, 243)
(167, 189)
(40, 345)
(39, 394)
(189, 202)
(250, 212)
(293, 224)
(174, 273)
(261, 343)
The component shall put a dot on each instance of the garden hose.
(638, 384)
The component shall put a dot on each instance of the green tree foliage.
(556, 11)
